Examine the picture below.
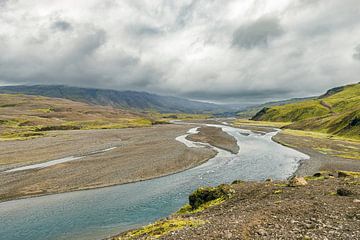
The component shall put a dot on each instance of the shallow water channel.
(98, 213)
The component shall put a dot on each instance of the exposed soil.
(141, 153)
(320, 159)
(272, 210)
(215, 137)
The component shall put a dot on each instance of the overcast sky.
(223, 51)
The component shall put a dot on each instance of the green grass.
(187, 209)
(25, 117)
(336, 114)
(160, 228)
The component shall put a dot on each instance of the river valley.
(99, 213)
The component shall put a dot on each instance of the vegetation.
(206, 197)
(160, 228)
(120, 99)
(337, 113)
(260, 123)
(23, 117)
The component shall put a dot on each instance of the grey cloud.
(61, 25)
(356, 54)
(182, 47)
(257, 33)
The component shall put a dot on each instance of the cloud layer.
(227, 51)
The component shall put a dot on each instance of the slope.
(123, 99)
(336, 112)
(24, 116)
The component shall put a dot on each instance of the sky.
(228, 51)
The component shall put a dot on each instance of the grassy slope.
(23, 116)
(337, 112)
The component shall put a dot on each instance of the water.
(98, 213)
(57, 161)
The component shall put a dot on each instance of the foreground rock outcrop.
(326, 207)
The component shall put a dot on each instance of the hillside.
(123, 99)
(24, 116)
(250, 111)
(324, 206)
(336, 112)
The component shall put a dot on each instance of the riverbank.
(325, 206)
(216, 137)
(137, 157)
(325, 153)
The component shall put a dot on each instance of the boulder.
(297, 182)
(342, 174)
(208, 194)
(343, 192)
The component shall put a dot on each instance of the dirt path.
(216, 137)
(141, 153)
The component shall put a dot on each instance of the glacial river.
(99, 213)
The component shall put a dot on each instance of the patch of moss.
(160, 228)
(206, 197)
(278, 191)
(187, 209)
(351, 174)
(280, 184)
(206, 194)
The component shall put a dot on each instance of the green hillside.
(336, 112)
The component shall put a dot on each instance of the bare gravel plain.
(140, 153)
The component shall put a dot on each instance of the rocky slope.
(324, 206)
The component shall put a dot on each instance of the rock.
(268, 180)
(343, 192)
(237, 182)
(207, 194)
(297, 181)
(261, 232)
(342, 174)
(356, 201)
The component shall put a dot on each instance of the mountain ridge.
(139, 100)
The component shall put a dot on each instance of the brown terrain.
(23, 116)
(323, 207)
(325, 154)
(215, 137)
(141, 153)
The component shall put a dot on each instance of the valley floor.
(325, 153)
(137, 154)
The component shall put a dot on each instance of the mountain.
(25, 116)
(124, 99)
(250, 111)
(336, 112)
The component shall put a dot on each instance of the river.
(99, 213)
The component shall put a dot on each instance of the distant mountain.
(124, 99)
(250, 111)
(336, 112)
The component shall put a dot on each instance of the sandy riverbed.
(141, 153)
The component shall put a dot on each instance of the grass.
(24, 117)
(177, 116)
(352, 174)
(206, 197)
(336, 113)
(160, 228)
(260, 123)
(187, 209)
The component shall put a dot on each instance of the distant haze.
(219, 51)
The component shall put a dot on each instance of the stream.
(99, 213)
